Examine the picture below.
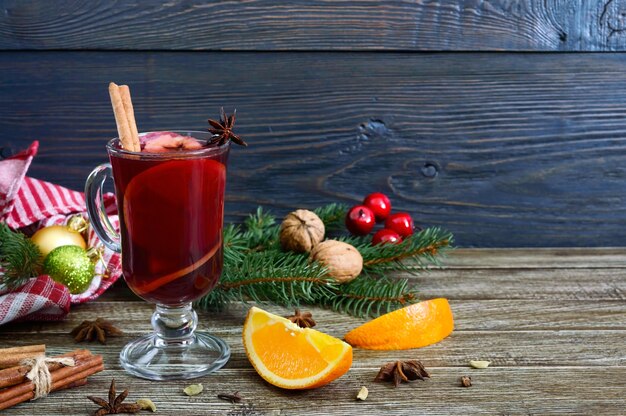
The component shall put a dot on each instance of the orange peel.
(413, 326)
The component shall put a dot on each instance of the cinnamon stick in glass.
(130, 116)
(121, 119)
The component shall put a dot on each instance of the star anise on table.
(99, 329)
(399, 371)
(302, 319)
(222, 130)
(114, 406)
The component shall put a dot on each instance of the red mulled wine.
(171, 203)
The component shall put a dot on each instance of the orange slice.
(291, 357)
(157, 282)
(414, 326)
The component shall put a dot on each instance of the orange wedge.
(414, 326)
(291, 357)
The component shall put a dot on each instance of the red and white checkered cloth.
(26, 202)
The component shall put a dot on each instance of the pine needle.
(369, 296)
(332, 215)
(19, 258)
(261, 230)
(271, 276)
(415, 253)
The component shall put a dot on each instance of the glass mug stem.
(170, 242)
(174, 325)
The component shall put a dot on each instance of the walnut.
(344, 262)
(301, 230)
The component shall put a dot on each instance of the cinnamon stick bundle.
(15, 375)
(10, 357)
(24, 398)
(62, 377)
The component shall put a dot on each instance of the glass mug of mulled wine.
(170, 202)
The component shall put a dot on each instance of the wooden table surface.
(551, 321)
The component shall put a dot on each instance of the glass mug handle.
(95, 207)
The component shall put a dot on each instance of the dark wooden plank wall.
(409, 25)
(502, 148)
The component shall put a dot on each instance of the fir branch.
(332, 215)
(259, 280)
(260, 220)
(288, 278)
(423, 249)
(368, 296)
(20, 258)
(428, 242)
(255, 268)
(235, 244)
(261, 230)
(271, 276)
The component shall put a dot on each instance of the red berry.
(386, 236)
(360, 220)
(400, 222)
(379, 204)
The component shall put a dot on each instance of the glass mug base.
(201, 355)
(174, 351)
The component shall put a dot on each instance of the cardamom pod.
(193, 389)
(479, 363)
(362, 395)
(146, 404)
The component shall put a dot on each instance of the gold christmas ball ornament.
(78, 223)
(301, 230)
(344, 262)
(49, 238)
(71, 266)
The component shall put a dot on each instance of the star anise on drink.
(99, 329)
(222, 130)
(399, 371)
(114, 406)
(302, 319)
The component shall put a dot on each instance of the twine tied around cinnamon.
(39, 373)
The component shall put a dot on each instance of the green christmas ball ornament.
(70, 266)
